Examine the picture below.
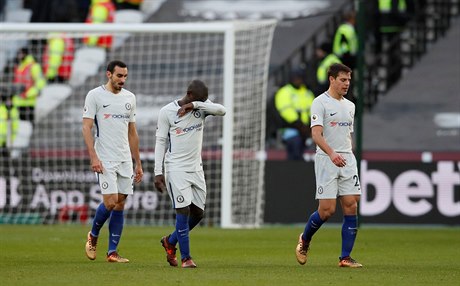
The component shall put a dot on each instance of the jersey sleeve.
(160, 144)
(210, 108)
(317, 113)
(132, 117)
(90, 108)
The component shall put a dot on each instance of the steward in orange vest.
(29, 74)
(100, 11)
(58, 57)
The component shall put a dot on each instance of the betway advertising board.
(392, 192)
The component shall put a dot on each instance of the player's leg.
(116, 223)
(349, 192)
(326, 193)
(107, 183)
(198, 203)
(180, 191)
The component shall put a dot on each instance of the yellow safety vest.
(8, 118)
(28, 73)
(321, 72)
(350, 45)
(294, 104)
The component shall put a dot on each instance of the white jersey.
(185, 135)
(336, 117)
(111, 113)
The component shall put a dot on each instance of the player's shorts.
(117, 178)
(185, 188)
(333, 181)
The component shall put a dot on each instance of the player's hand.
(96, 166)
(160, 183)
(139, 174)
(184, 109)
(338, 160)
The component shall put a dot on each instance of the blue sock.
(115, 229)
(102, 214)
(313, 224)
(349, 231)
(192, 222)
(182, 231)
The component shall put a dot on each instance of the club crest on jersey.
(128, 106)
(180, 199)
(196, 113)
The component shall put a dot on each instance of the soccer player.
(182, 123)
(112, 109)
(335, 165)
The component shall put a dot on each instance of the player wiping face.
(187, 105)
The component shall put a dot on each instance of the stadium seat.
(22, 138)
(50, 97)
(18, 15)
(93, 55)
(150, 7)
(81, 70)
(127, 16)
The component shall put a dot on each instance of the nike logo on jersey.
(175, 122)
(113, 234)
(332, 114)
(105, 105)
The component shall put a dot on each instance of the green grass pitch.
(54, 255)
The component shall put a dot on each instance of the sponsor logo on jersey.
(338, 123)
(116, 116)
(196, 127)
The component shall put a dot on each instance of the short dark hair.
(337, 68)
(198, 88)
(115, 63)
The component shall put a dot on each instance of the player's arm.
(318, 138)
(208, 107)
(160, 150)
(133, 139)
(96, 164)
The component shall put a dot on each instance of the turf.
(54, 255)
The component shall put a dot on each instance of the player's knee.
(110, 205)
(183, 211)
(325, 214)
(197, 213)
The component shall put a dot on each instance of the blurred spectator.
(58, 57)
(128, 4)
(325, 59)
(345, 44)
(100, 11)
(392, 16)
(293, 101)
(28, 73)
(9, 123)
